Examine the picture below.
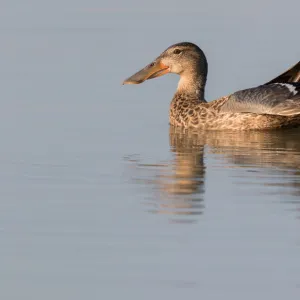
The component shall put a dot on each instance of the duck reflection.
(178, 185)
(181, 185)
(272, 155)
(174, 187)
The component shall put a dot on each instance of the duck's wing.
(291, 75)
(275, 98)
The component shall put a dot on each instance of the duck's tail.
(291, 75)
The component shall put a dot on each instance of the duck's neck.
(192, 85)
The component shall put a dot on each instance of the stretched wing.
(275, 98)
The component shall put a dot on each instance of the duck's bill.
(151, 71)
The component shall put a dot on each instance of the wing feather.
(274, 98)
(291, 75)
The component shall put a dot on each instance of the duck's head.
(185, 59)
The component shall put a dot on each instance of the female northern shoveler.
(273, 105)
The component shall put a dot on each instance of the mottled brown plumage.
(274, 105)
(207, 116)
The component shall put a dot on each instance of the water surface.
(100, 197)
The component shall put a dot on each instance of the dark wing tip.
(291, 75)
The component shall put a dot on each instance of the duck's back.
(274, 99)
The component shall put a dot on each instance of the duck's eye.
(177, 51)
(152, 64)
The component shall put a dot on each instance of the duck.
(272, 105)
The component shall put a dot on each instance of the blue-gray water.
(100, 198)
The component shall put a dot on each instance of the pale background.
(77, 148)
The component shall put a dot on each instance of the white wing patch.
(290, 87)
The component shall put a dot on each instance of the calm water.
(100, 198)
